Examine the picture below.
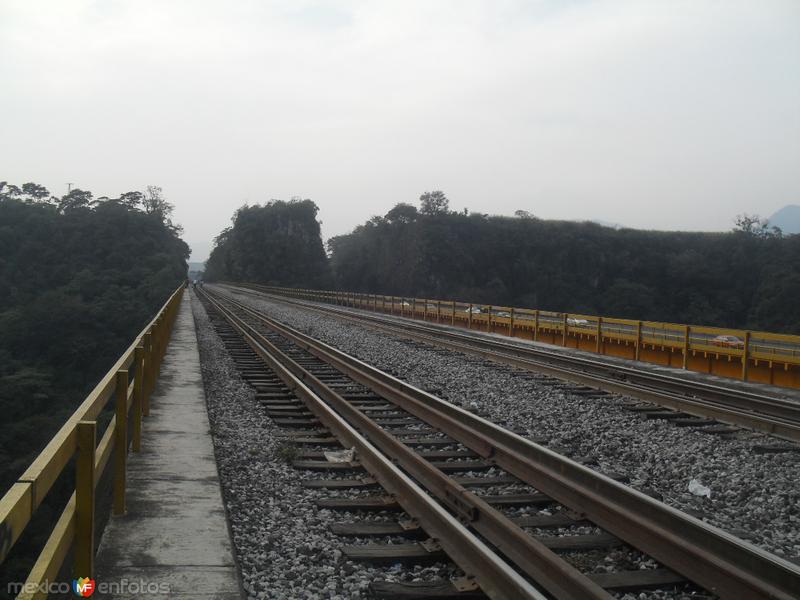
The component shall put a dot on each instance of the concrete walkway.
(174, 539)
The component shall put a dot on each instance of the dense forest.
(79, 278)
(278, 242)
(748, 277)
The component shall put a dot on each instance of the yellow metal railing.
(776, 353)
(130, 382)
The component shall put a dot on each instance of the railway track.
(424, 454)
(711, 403)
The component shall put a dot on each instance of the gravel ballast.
(283, 545)
(755, 496)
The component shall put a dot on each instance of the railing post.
(535, 324)
(453, 313)
(138, 392)
(121, 443)
(638, 340)
(489, 320)
(469, 319)
(162, 339)
(745, 355)
(438, 311)
(149, 380)
(686, 347)
(156, 330)
(599, 335)
(84, 499)
(564, 326)
(511, 324)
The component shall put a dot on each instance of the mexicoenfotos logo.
(83, 587)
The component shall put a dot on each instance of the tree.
(755, 226)
(36, 192)
(74, 200)
(402, 213)
(8, 190)
(434, 203)
(277, 243)
(132, 200)
(76, 285)
(156, 205)
(720, 279)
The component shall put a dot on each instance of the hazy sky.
(664, 115)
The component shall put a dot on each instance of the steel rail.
(494, 576)
(776, 416)
(706, 555)
(543, 565)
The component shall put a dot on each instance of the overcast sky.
(668, 115)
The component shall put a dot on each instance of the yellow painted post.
(149, 380)
(564, 326)
(638, 340)
(599, 349)
(745, 354)
(138, 392)
(156, 349)
(121, 443)
(686, 347)
(535, 324)
(162, 330)
(511, 325)
(84, 499)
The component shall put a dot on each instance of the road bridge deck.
(174, 538)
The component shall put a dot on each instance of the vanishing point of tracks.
(413, 445)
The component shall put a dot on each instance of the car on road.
(727, 341)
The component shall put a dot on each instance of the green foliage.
(278, 243)
(79, 279)
(756, 226)
(746, 278)
(434, 203)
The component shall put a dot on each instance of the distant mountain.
(787, 218)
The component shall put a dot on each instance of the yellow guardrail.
(762, 356)
(130, 381)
